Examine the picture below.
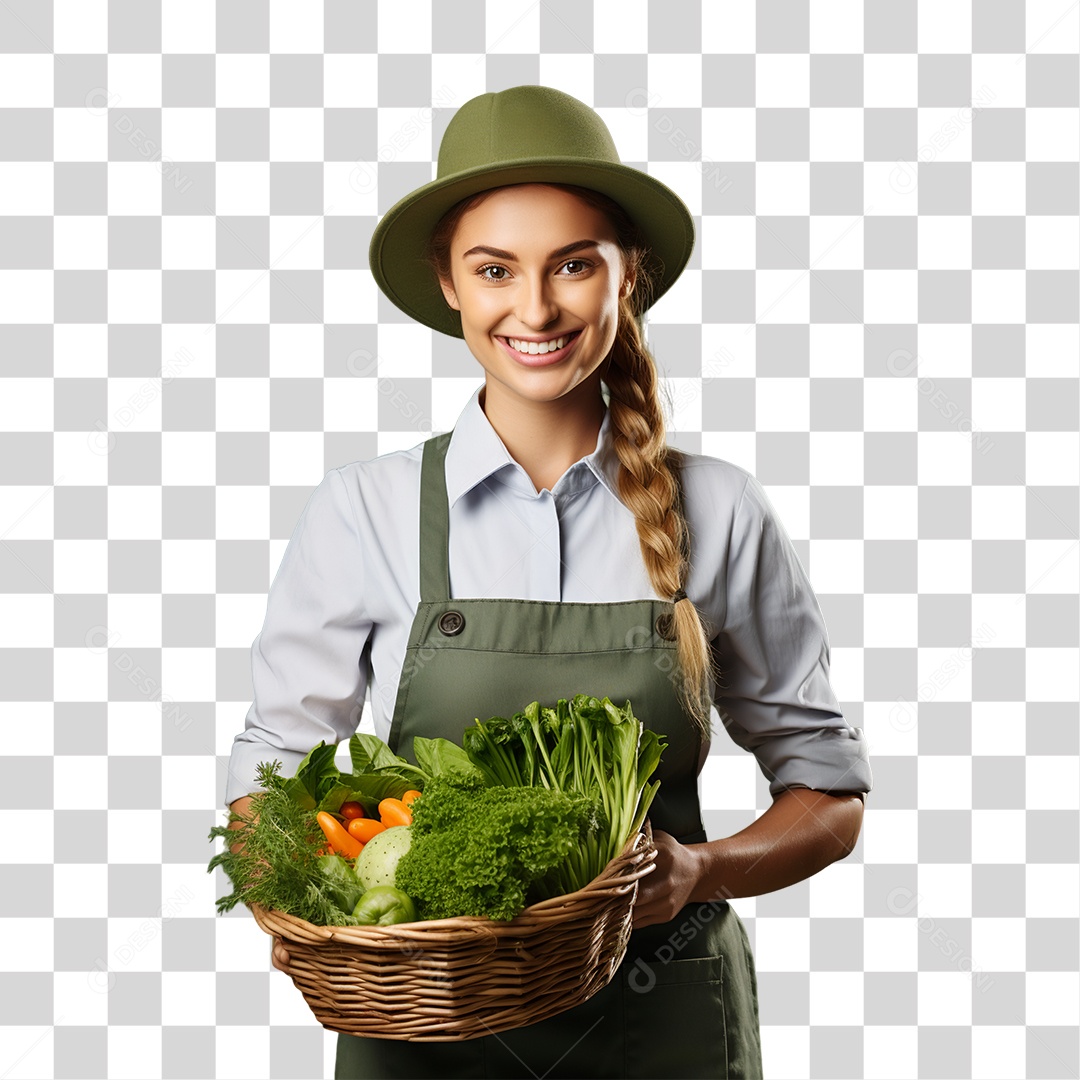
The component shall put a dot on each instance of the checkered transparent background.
(880, 321)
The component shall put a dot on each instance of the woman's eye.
(484, 269)
(579, 262)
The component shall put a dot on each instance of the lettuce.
(479, 850)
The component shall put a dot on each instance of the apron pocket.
(675, 1022)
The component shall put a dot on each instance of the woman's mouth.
(550, 351)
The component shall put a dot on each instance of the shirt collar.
(476, 453)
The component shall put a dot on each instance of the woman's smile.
(543, 352)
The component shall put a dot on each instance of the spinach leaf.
(369, 752)
(437, 757)
(369, 789)
(315, 776)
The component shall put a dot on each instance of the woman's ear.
(449, 293)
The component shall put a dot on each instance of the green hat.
(525, 134)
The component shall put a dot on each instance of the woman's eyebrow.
(498, 253)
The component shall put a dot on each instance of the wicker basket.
(446, 980)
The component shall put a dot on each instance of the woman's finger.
(279, 955)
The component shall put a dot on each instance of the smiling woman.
(575, 551)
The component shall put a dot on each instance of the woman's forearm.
(801, 833)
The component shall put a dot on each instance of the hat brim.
(396, 252)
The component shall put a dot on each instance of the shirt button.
(451, 623)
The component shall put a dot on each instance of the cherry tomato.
(351, 810)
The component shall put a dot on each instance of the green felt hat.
(525, 134)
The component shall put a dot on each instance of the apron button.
(665, 626)
(451, 623)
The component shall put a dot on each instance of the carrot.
(351, 810)
(410, 797)
(340, 840)
(394, 812)
(363, 829)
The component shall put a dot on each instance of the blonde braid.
(648, 487)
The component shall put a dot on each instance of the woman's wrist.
(711, 861)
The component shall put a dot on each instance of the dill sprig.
(278, 864)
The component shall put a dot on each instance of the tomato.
(363, 829)
(351, 810)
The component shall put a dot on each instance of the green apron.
(684, 1001)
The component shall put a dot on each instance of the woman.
(553, 544)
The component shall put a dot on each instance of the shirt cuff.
(241, 777)
(834, 759)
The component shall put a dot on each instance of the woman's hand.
(666, 891)
(242, 807)
(279, 957)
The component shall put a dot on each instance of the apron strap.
(434, 522)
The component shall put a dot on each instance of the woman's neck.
(546, 437)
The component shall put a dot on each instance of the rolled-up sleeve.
(774, 695)
(307, 677)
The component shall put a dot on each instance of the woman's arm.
(801, 833)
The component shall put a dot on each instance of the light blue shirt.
(342, 603)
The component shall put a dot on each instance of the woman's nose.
(536, 305)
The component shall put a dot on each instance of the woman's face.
(514, 280)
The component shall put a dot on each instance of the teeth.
(537, 348)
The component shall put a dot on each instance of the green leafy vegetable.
(341, 882)
(436, 757)
(369, 752)
(479, 850)
(584, 746)
(315, 776)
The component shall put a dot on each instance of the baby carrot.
(363, 829)
(394, 812)
(340, 840)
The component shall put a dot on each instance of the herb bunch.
(278, 864)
